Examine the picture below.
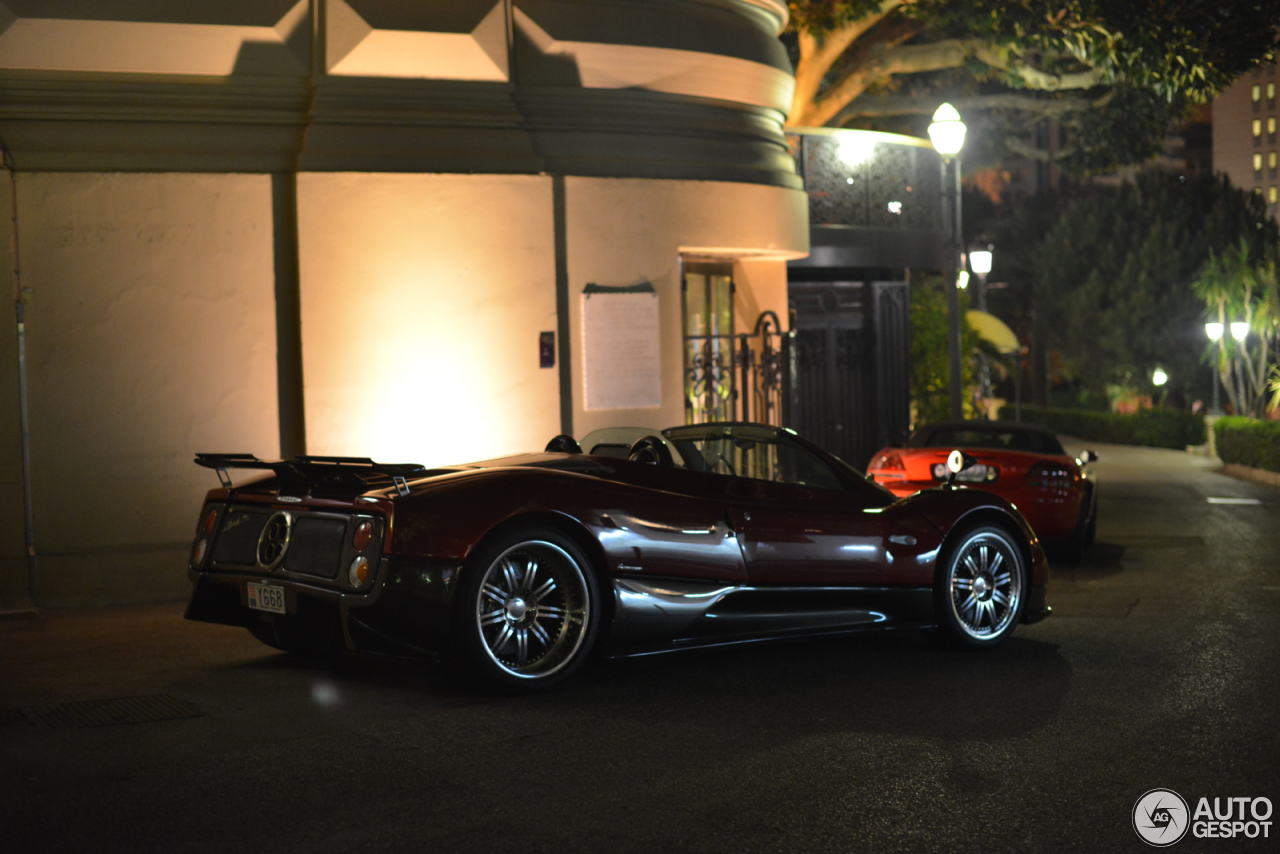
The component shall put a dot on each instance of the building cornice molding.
(78, 122)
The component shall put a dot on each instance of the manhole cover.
(123, 710)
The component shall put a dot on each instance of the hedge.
(1158, 428)
(1248, 442)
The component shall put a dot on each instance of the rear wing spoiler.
(305, 474)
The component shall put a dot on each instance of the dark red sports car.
(519, 569)
(1022, 463)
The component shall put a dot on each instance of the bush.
(1248, 442)
(1157, 428)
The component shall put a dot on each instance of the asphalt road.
(1160, 668)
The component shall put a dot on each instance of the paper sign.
(621, 365)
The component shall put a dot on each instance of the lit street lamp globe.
(1213, 330)
(947, 131)
(1159, 377)
(1239, 330)
(980, 261)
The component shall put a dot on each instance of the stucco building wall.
(422, 300)
(150, 335)
(340, 226)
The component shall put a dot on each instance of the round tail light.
(359, 571)
(198, 553)
(888, 461)
(364, 533)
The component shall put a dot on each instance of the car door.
(670, 523)
(801, 536)
(798, 521)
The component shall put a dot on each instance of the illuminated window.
(1271, 91)
(1271, 160)
(1271, 125)
(1256, 92)
(1257, 163)
(1271, 195)
(708, 341)
(1257, 128)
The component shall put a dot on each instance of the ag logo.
(1160, 817)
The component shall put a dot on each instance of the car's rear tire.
(980, 589)
(527, 612)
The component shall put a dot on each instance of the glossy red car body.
(1053, 490)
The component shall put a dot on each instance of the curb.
(1262, 476)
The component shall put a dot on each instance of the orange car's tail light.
(210, 519)
(363, 534)
(1050, 476)
(890, 462)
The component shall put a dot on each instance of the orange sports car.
(1022, 463)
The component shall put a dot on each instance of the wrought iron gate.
(852, 389)
(742, 377)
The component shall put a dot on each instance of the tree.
(1112, 72)
(930, 367)
(1112, 280)
(1237, 287)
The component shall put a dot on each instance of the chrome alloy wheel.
(985, 585)
(533, 609)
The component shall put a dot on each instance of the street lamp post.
(1214, 331)
(980, 260)
(1239, 331)
(980, 263)
(947, 133)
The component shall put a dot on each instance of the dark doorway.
(852, 392)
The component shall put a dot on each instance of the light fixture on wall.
(855, 149)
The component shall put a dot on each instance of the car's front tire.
(527, 611)
(981, 588)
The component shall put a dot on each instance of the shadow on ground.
(896, 684)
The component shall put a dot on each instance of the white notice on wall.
(620, 345)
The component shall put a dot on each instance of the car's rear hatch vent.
(237, 543)
(317, 546)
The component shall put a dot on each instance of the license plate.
(263, 597)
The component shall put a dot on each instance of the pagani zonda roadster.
(634, 542)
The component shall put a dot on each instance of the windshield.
(1004, 439)
(759, 453)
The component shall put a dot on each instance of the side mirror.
(1086, 457)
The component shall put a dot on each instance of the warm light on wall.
(423, 297)
(854, 149)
